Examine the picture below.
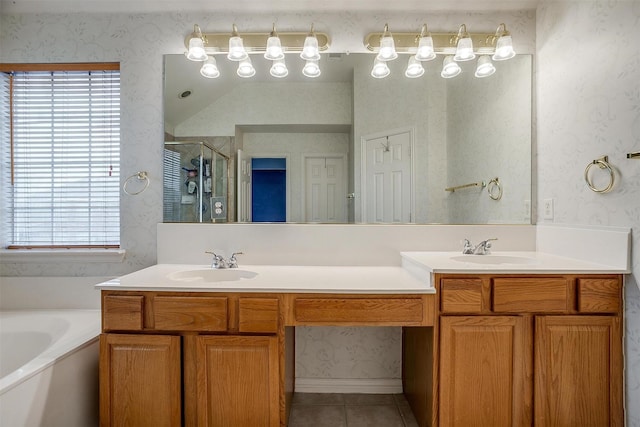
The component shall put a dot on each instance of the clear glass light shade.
(310, 51)
(485, 67)
(210, 68)
(245, 68)
(279, 69)
(236, 49)
(387, 50)
(425, 49)
(274, 49)
(380, 69)
(414, 68)
(464, 51)
(311, 69)
(504, 49)
(450, 68)
(196, 50)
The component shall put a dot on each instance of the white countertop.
(512, 262)
(280, 278)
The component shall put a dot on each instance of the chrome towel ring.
(141, 176)
(494, 189)
(603, 163)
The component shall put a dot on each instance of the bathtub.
(49, 367)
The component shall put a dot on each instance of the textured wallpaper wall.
(588, 82)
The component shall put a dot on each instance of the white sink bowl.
(212, 275)
(495, 259)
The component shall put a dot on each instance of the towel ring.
(494, 189)
(141, 176)
(603, 163)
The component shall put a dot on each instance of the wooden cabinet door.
(237, 381)
(485, 371)
(140, 382)
(578, 364)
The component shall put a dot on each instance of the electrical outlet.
(527, 210)
(548, 209)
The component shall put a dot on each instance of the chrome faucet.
(481, 248)
(219, 262)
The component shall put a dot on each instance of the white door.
(325, 190)
(386, 177)
(243, 187)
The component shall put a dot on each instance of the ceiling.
(135, 6)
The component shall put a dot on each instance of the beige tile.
(374, 416)
(369, 399)
(318, 399)
(317, 416)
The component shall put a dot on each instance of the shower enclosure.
(195, 183)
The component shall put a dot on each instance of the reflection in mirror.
(351, 148)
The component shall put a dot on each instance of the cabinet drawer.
(258, 315)
(358, 311)
(461, 296)
(122, 313)
(172, 313)
(599, 295)
(526, 295)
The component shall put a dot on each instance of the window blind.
(65, 129)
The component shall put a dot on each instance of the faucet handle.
(233, 261)
(217, 261)
(468, 247)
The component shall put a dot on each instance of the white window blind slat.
(66, 156)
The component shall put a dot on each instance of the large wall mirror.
(346, 147)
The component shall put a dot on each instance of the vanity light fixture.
(311, 69)
(274, 50)
(414, 68)
(279, 69)
(237, 51)
(450, 68)
(504, 45)
(464, 45)
(387, 50)
(245, 68)
(459, 46)
(272, 45)
(425, 46)
(195, 44)
(485, 67)
(310, 51)
(210, 68)
(380, 69)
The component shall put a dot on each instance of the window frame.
(55, 67)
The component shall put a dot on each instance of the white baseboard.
(349, 385)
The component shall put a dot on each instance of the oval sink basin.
(494, 259)
(213, 275)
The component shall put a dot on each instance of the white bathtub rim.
(82, 336)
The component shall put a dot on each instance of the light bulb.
(414, 68)
(210, 68)
(485, 67)
(504, 49)
(245, 68)
(380, 69)
(311, 69)
(425, 49)
(464, 51)
(279, 69)
(310, 51)
(450, 68)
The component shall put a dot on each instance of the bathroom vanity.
(505, 343)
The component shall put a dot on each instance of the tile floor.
(350, 410)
